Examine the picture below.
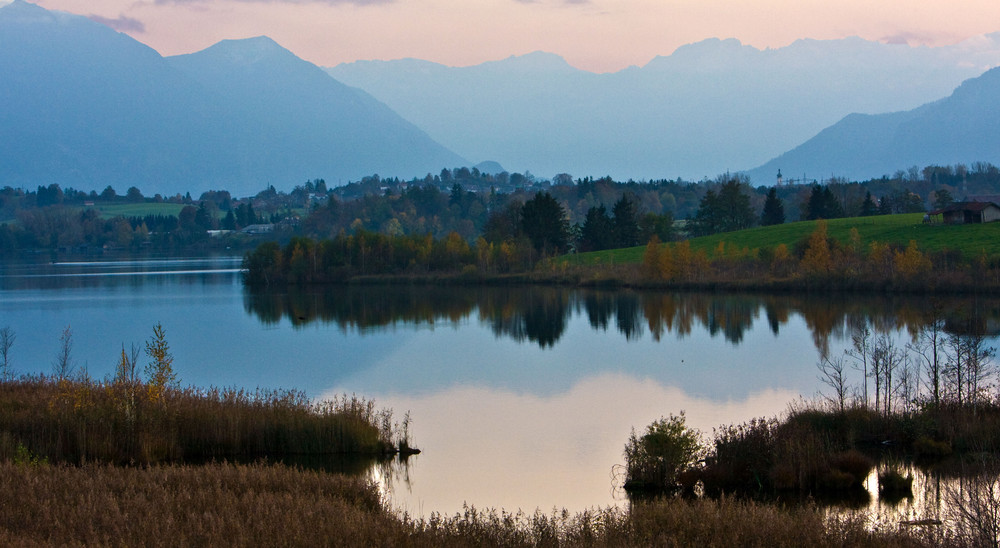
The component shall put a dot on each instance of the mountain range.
(86, 107)
(961, 128)
(709, 107)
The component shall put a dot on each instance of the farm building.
(967, 212)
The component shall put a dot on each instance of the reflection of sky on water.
(498, 448)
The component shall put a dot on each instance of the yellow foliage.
(666, 263)
(911, 262)
(657, 260)
(160, 371)
(880, 257)
(781, 261)
(683, 260)
(817, 260)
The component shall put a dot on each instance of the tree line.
(600, 213)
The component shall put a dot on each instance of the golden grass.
(273, 505)
(120, 422)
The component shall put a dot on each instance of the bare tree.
(927, 348)
(979, 367)
(885, 359)
(860, 351)
(63, 364)
(832, 374)
(6, 341)
(955, 367)
(968, 368)
(908, 384)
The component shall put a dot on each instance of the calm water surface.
(521, 398)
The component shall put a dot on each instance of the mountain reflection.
(541, 314)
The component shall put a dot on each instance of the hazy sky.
(596, 35)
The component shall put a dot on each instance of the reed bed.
(273, 505)
(81, 420)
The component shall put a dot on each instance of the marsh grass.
(80, 420)
(272, 505)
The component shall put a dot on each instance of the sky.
(594, 35)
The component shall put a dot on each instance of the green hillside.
(970, 240)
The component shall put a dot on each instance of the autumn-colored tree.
(911, 262)
(817, 260)
(159, 372)
(683, 260)
(657, 260)
(781, 261)
(880, 259)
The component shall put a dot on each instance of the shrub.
(892, 483)
(655, 461)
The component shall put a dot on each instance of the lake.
(520, 397)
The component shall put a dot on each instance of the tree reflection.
(535, 314)
(541, 315)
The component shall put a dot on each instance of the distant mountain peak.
(25, 12)
(711, 52)
(534, 62)
(248, 51)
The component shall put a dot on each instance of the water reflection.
(81, 273)
(540, 314)
(508, 449)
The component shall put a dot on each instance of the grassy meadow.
(971, 240)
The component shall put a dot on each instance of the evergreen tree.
(625, 222)
(660, 226)
(723, 212)
(774, 209)
(823, 204)
(543, 221)
(869, 207)
(596, 232)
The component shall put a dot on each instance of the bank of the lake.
(805, 256)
